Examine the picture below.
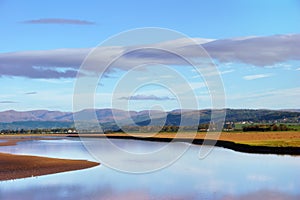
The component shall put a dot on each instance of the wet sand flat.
(21, 166)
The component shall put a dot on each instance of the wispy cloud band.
(58, 21)
(146, 97)
(256, 76)
(64, 63)
(30, 93)
(7, 102)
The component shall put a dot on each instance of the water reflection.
(263, 194)
(135, 157)
(224, 174)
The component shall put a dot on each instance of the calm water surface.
(224, 174)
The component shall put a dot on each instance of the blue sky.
(254, 45)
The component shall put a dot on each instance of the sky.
(245, 54)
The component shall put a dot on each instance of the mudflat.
(21, 166)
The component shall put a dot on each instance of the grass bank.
(281, 142)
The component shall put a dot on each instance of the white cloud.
(197, 76)
(227, 71)
(259, 178)
(256, 76)
(197, 85)
(285, 98)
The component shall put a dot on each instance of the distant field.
(294, 126)
(291, 126)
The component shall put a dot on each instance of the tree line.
(166, 128)
(266, 127)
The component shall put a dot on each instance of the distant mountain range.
(55, 119)
(35, 115)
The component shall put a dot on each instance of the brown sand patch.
(21, 166)
(9, 142)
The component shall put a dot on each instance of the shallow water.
(224, 174)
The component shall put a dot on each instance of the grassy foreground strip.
(21, 166)
(281, 142)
